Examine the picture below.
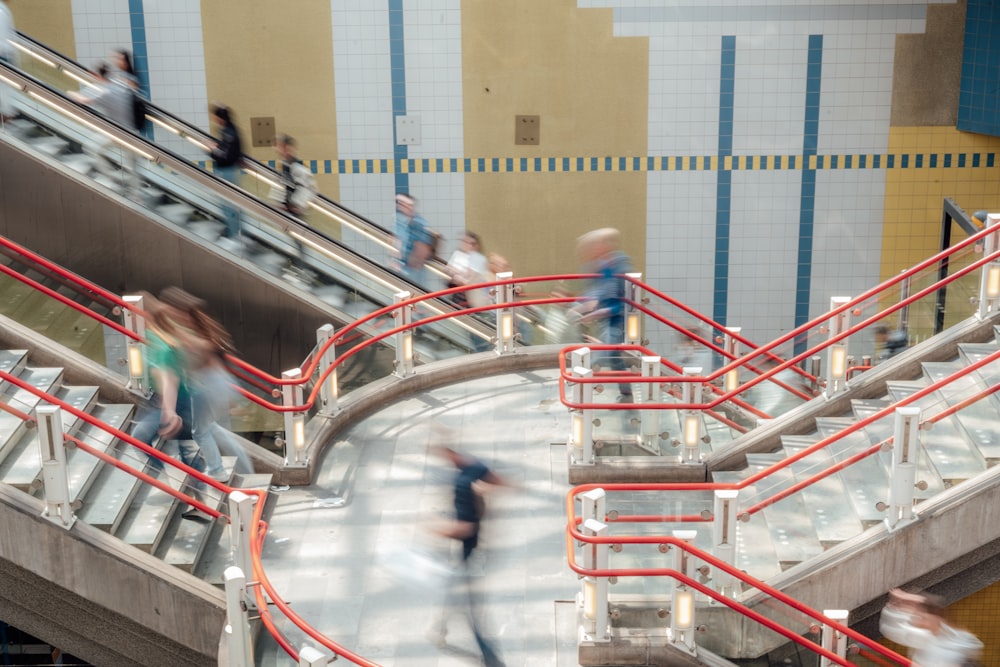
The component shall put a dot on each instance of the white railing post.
(633, 316)
(731, 346)
(237, 621)
(505, 315)
(649, 419)
(52, 447)
(404, 337)
(692, 423)
(833, 640)
(903, 474)
(295, 422)
(593, 505)
(329, 390)
(240, 519)
(138, 374)
(582, 419)
(724, 538)
(682, 625)
(594, 593)
(310, 657)
(989, 284)
(836, 369)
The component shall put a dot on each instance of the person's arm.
(168, 384)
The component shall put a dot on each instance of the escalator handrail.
(371, 228)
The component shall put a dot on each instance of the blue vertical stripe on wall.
(807, 197)
(397, 64)
(140, 54)
(724, 183)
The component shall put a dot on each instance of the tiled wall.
(769, 185)
(979, 103)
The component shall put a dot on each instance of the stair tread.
(82, 468)
(827, 501)
(792, 533)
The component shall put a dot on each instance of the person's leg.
(204, 436)
(491, 655)
(230, 214)
(614, 334)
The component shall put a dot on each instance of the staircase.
(829, 545)
(141, 522)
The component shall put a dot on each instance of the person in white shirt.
(466, 266)
(917, 620)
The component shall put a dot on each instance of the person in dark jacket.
(227, 154)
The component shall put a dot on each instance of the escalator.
(133, 215)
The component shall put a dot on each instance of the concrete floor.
(355, 554)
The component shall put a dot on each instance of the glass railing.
(176, 192)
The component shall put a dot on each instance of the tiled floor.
(354, 554)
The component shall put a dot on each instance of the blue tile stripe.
(807, 197)
(724, 182)
(723, 163)
(397, 64)
(140, 53)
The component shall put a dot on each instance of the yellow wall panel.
(524, 57)
(275, 59)
(47, 21)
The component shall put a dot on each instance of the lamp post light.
(836, 372)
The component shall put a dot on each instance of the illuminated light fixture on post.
(903, 473)
(989, 289)
(633, 316)
(295, 422)
(52, 450)
(836, 374)
(833, 640)
(724, 538)
(138, 374)
(594, 593)
(582, 419)
(692, 417)
(505, 314)
(240, 522)
(404, 337)
(237, 630)
(650, 419)
(682, 600)
(329, 390)
(732, 347)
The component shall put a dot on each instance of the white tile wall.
(100, 26)
(176, 56)
(771, 57)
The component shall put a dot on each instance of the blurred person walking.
(414, 239)
(467, 266)
(916, 620)
(206, 344)
(604, 301)
(227, 152)
(465, 528)
(113, 100)
(299, 185)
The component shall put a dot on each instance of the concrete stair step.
(83, 469)
(147, 518)
(186, 537)
(23, 467)
(111, 495)
(792, 533)
(977, 420)
(826, 500)
(37, 311)
(216, 556)
(43, 379)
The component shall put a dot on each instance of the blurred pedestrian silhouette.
(205, 343)
(465, 528)
(892, 341)
(604, 300)
(414, 239)
(916, 620)
(227, 153)
(466, 266)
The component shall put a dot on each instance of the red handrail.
(572, 534)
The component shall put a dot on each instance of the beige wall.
(524, 57)
(266, 58)
(48, 21)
